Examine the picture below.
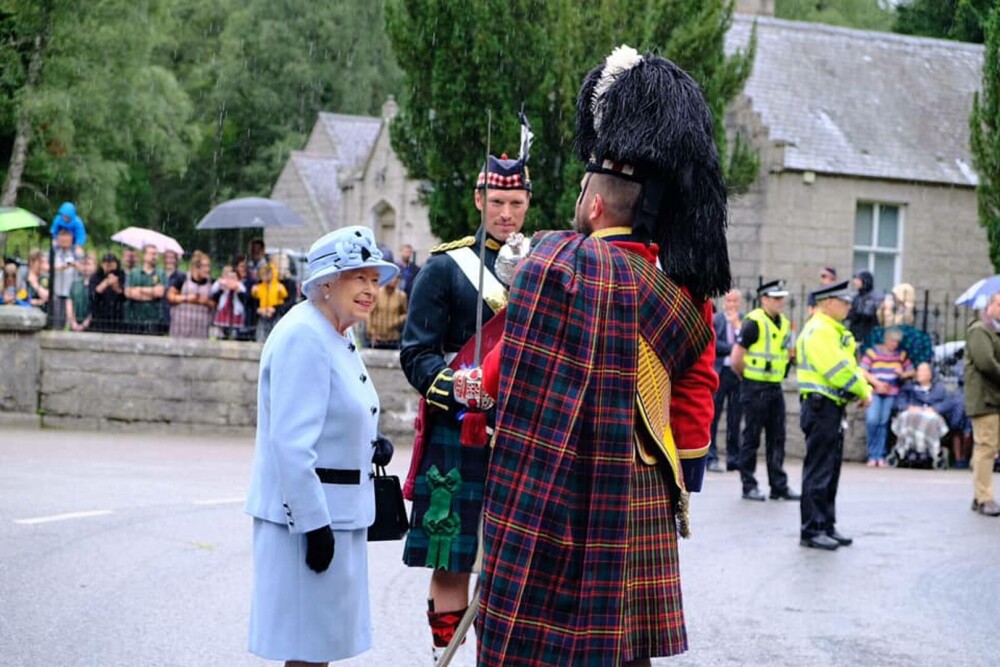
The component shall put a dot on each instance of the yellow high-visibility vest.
(766, 358)
(825, 361)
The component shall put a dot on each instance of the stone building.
(865, 158)
(348, 174)
(865, 162)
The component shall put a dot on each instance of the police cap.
(837, 291)
(775, 288)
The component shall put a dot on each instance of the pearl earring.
(326, 296)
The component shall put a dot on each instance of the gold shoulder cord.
(463, 242)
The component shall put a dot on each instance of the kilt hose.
(449, 482)
(654, 610)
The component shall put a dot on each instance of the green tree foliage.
(458, 64)
(961, 20)
(85, 100)
(258, 73)
(862, 14)
(149, 112)
(985, 136)
(691, 34)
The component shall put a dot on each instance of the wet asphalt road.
(120, 549)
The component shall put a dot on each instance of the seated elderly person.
(918, 425)
(926, 413)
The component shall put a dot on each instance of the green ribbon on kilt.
(440, 522)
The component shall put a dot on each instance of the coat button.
(363, 377)
(374, 409)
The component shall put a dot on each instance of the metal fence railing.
(934, 313)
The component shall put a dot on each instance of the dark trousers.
(821, 422)
(728, 395)
(763, 410)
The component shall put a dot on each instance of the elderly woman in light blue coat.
(311, 494)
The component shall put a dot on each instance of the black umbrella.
(251, 212)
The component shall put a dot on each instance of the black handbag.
(390, 512)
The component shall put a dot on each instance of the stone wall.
(19, 361)
(808, 222)
(291, 190)
(144, 384)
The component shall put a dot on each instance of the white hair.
(313, 290)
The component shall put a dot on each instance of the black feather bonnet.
(645, 119)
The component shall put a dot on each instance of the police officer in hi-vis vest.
(829, 378)
(761, 356)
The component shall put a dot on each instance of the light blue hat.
(345, 249)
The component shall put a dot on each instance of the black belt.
(818, 397)
(334, 476)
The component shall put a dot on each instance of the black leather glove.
(319, 548)
(382, 450)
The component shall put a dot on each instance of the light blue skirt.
(297, 614)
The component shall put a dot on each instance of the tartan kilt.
(444, 451)
(654, 623)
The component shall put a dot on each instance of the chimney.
(756, 7)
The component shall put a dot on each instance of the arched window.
(384, 223)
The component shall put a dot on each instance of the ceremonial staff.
(477, 356)
(514, 255)
(470, 614)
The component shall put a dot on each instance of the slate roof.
(353, 136)
(320, 176)
(863, 103)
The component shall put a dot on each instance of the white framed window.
(878, 242)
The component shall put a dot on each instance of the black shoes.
(731, 466)
(714, 467)
(840, 539)
(754, 494)
(787, 494)
(989, 508)
(824, 542)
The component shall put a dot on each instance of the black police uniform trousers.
(728, 395)
(820, 420)
(763, 410)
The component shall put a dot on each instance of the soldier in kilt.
(604, 386)
(446, 479)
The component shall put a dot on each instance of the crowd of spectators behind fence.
(914, 410)
(148, 293)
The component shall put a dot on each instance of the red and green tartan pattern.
(446, 452)
(556, 507)
(654, 619)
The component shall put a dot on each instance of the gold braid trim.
(653, 401)
(463, 242)
(440, 390)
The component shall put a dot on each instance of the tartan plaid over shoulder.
(557, 492)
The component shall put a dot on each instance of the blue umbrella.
(978, 295)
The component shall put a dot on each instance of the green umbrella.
(18, 218)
